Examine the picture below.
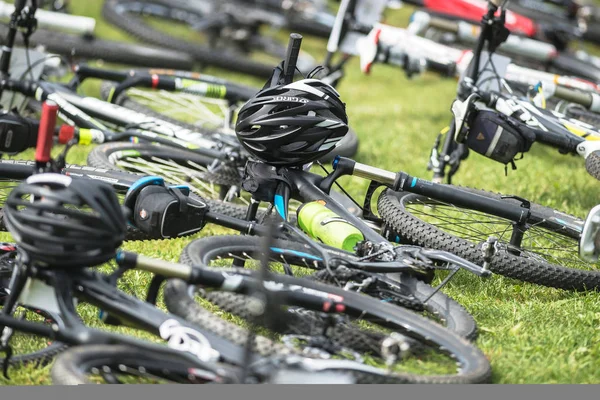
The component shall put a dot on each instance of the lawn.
(531, 334)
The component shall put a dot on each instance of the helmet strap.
(276, 77)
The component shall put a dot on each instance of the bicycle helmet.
(292, 124)
(64, 222)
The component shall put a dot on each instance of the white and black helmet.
(64, 222)
(292, 124)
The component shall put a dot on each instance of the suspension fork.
(449, 157)
(439, 160)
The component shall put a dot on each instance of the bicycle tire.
(392, 208)
(42, 356)
(592, 164)
(309, 27)
(72, 46)
(73, 366)
(201, 54)
(474, 367)
(567, 64)
(452, 314)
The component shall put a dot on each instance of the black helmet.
(64, 222)
(292, 124)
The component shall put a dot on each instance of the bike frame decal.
(296, 253)
(201, 88)
(186, 339)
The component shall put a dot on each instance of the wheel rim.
(238, 38)
(540, 241)
(205, 113)
(360, 348)
(198, 177)
(127, 373)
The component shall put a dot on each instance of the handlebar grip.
(291, 58)
(46, 131)
(592, 164)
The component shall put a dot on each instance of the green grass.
(531, 334)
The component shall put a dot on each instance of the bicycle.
(82, 43)
(209, 339)
(528, 52)
(549, 27)
(570, 127)
(201, 152)
(225, 34)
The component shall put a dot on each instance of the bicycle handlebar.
(53, 20)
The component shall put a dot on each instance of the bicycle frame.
(515, 46)
(60, 287)
(86, 113)
(54, 20)
(174, 81)
(279, 185)
(196, 346)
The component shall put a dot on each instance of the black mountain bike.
(195, 347)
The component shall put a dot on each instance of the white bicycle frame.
(468, 33)
(54, 20)
(400, 44)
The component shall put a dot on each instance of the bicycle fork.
(446, 154)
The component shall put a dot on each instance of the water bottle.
(322, 224)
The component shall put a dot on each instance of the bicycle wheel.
(406, 292)
(227, 44)
(28, 349)
(202, 113)
(367, 338)
(547, 253)
(15, 171)
(185, 167)
(175, 165)
(82, 365)
(77, 47)
(592, 164)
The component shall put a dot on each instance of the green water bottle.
(321, 223)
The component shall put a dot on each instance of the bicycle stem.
(10, 41)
